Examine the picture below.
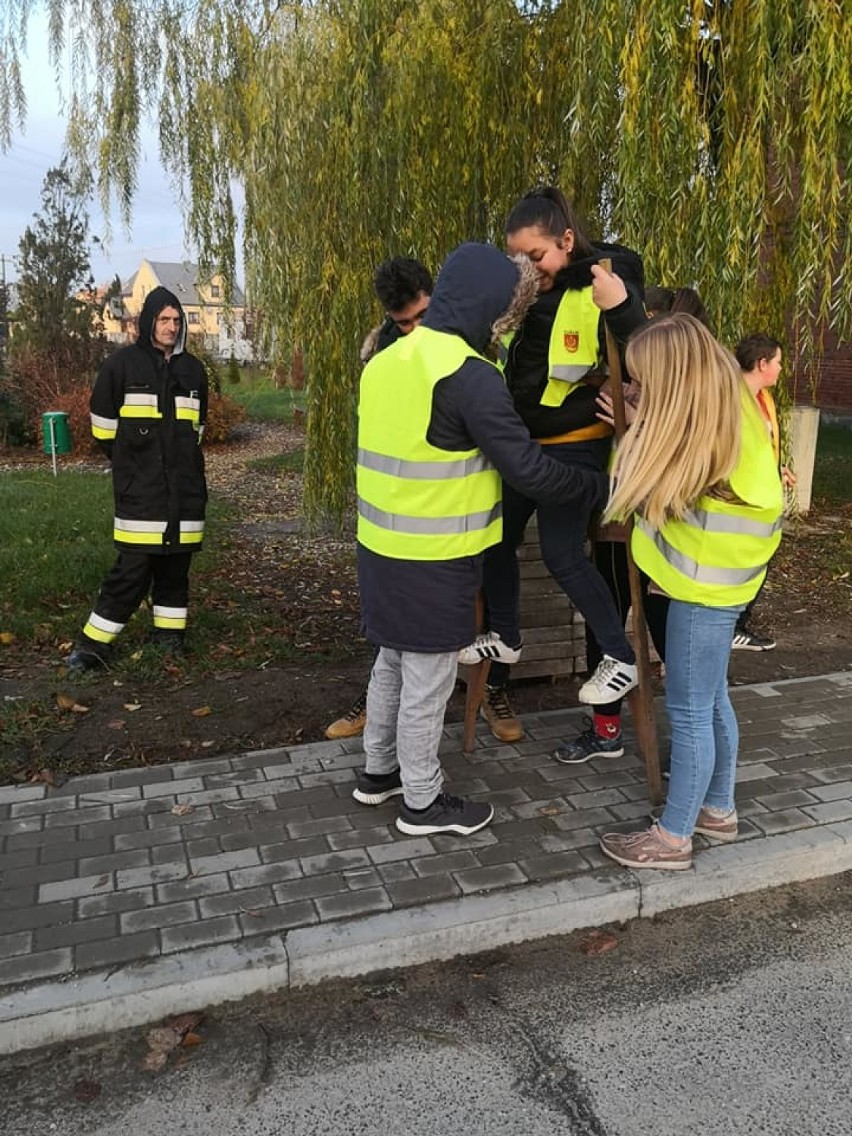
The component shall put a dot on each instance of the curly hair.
(399, 281)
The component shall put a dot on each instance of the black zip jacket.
(157, 463)
(527, 364)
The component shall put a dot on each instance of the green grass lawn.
(263, 401)
(56, 546)
(833, 470)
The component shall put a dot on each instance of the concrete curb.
(110, 1000)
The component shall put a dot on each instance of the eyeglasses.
(412, 321)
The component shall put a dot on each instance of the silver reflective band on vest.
(691, 568)
(570, 372)
(422, 471)
(726, 523)
(431, 526)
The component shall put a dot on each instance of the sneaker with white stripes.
(612, 680)
(489, 646)
(748, 641)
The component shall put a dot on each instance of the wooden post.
(641, 700)
(477, 677)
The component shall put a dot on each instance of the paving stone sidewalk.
(121, 869)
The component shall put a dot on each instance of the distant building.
(219, 326)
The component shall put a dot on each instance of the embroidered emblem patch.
(571, 340)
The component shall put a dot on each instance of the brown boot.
(497, 711)
(353, 721)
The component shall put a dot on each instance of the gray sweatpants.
(406, 701)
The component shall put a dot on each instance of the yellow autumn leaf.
(202, 712)
(6, 638)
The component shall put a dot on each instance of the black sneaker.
(588, 745)
(81, 659)
(748, 641)
(375, 789)
(445, 814)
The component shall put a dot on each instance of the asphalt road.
(731, 1019)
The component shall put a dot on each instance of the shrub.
(222, 415)
(37, 380)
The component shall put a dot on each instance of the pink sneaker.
(646, 849)
(722, 828)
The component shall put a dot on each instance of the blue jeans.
(703, 725)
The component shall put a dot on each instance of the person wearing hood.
(554, 368)
(148, 409)
(436, 432)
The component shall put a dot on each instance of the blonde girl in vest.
(601, 733)
(698, 470)
(554, 370)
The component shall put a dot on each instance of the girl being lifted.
(552, 364)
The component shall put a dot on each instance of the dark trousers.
(133, 576)
(562, 536)
(610, 556)
(742, 627)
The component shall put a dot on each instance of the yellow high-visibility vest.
(417, 501)
(717, 554)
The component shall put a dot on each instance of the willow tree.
(712, 135)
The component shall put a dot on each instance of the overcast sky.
(157, 228)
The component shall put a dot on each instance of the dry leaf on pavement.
(181, 810)
(202, 712)
(598, 943)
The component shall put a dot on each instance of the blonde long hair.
(685, 440)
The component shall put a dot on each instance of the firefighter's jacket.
(148, 414)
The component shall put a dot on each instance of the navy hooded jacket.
(430, 606)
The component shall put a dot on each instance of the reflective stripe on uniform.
(105, 428)
(173, 618)
(152, 532)
(100, 629)
(191, 532)
(426, 471)
(570, 372)
(187, 408)
(701, 573)
(429, 526)
(728, 523)
(140, 406)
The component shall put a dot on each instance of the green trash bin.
(56, 432)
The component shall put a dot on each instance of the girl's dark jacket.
(527, 363)
(430, 606)
(157, 463)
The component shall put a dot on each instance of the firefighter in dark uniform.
(148, 409)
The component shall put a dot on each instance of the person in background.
(148, 409)
(699, 473)
(601, 734)
(554, 368)
(403, 286)
(759, 357)
(436, 433)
